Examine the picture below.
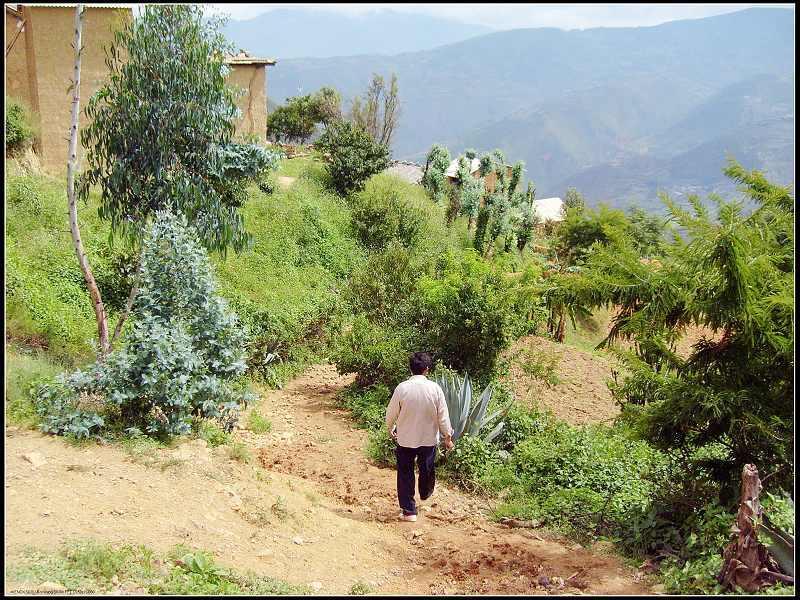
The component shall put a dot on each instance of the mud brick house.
(39, 64)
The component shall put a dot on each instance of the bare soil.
(310, 509)
(581, 395)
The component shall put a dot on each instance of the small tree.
(354, 156)
(292, 122)
(297, 120)
(379, 110)
(183, 355)
(573, 199)
(160, 131)
(730, 403)
(433, 178)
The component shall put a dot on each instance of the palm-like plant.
(467, 417)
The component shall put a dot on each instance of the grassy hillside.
(285, 286)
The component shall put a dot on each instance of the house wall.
(49, 33)
(40, 68)
(16, 62)
(253, 104)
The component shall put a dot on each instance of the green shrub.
(520, 424)
(471, 459)
(212, 433)
(257, 423)
(368, 407)
(575, 511)
(240, 452)
(380, 448)
(465, 314)
(383, 286)
(354, 156)
(182, 357)
(378, 354)
(361, 589)
(387, 210)
(19, 128)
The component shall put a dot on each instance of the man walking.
(419, 410)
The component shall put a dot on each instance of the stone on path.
(35, 458)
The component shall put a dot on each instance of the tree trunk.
(746, 562)
(94, 292)
(129, 305)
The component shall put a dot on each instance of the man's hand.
(448, 443)
(393, 433)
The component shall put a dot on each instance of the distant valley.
(619, 113)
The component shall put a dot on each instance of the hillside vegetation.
(362, 281)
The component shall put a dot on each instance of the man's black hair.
(419, 362)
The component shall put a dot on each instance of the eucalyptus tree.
(72, 195)
(378, 111)
(160, 131)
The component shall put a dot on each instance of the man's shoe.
(405, 517)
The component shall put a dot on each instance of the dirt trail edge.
(308, 508)
(453, 548)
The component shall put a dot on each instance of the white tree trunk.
(94, 292)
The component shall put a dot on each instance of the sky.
(515, 16)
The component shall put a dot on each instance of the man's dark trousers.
(425, 457)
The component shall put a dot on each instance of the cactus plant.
(467, 417)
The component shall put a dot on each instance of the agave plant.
(782, 546)
(464, 417)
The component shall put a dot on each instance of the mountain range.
(619, 113)
(301, 32)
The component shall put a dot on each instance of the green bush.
(383, 286)
(378, 354)
(181, 359)
(574, 511)
(354, 156)
(471, 459)
(520, 424)
(387, 210)
(212, 433)
(465, 313)
(380, 448)
(368, 406)
(257, 423)
(19, 128)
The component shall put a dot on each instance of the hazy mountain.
(297, 32)
(617, 112)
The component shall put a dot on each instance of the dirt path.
(315, 512)
(452, 548)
